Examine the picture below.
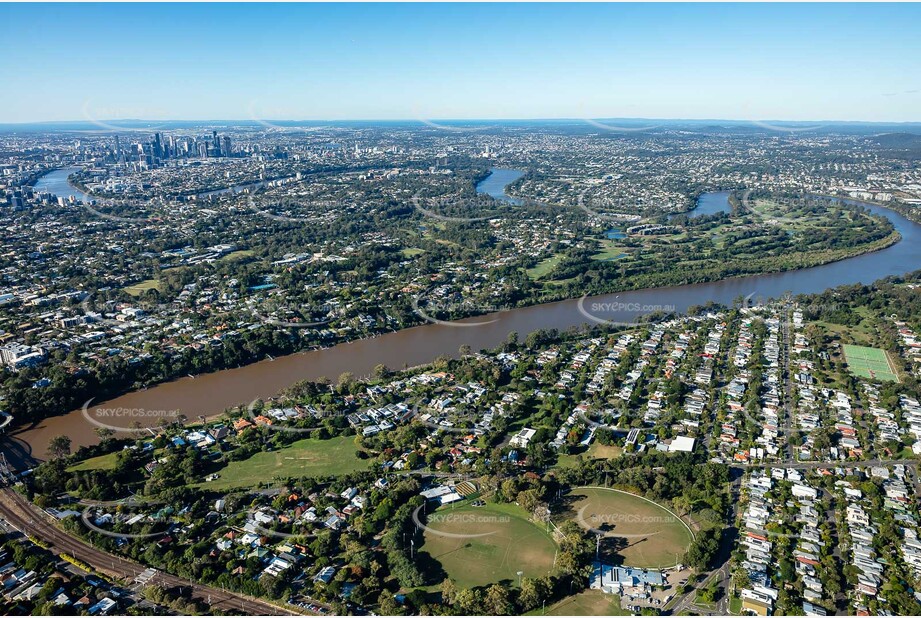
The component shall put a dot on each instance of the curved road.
(19, 512)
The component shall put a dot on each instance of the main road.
(816, 465)
(786, 429)
(29, 519)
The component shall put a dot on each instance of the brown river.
(211, 394)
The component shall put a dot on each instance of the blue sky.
(410, 61)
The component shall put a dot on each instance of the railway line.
(29, 519)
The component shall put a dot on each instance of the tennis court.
(867, 362)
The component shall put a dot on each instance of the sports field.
(636, 532)
(867, 362)
(304, 458)
(508, 543)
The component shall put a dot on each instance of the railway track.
(29, 519)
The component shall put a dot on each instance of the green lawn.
(411, 251)
(237, 255)
(867, 362)
(567, 461)
(102, 462)
(601, 451)
(857, 333)
(139, 288)
(609, 250)
(585, 603)
(559, 282)
(509, 543)
(303, 458)
(545, 267)
(637, 532)
(595, 451)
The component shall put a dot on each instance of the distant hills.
(910, 141)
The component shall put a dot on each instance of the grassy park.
(487, 544)
(101, 462)
(139, 288)
(308, 457)
(585, 603)
(545, 267)
(636, 532)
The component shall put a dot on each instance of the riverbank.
(906, 210)
(497, 181)
(736, 270)
(210, 394)
(57, 182)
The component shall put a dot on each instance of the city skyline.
(465, 62)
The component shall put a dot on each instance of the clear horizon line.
(439, 119)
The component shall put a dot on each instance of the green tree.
(448, 592)
(533, 592)
(59, 446)
(497, 601)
